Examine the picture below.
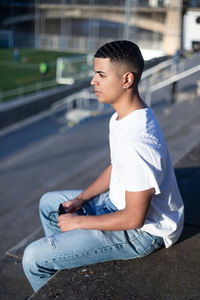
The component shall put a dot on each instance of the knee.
(29, 257)
(45, 200)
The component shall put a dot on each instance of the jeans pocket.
(141, 242)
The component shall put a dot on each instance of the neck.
(129, 103)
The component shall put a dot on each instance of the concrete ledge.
(21, 108)
(168, 274)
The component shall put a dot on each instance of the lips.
(97, 92)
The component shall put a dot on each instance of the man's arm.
(131, 217)
(100, 185)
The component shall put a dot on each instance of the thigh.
(84, 247)
(76, 248)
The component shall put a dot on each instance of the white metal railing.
(75, 108)
(174, 78)
(163, 70)
(81, 99)
(160, 72)
(159, 67)
(20, 91)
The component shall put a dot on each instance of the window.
(198, 20)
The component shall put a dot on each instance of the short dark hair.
(125, 52)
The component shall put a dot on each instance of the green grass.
(21, 74)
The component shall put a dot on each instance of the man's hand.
(68, 222)
(73, 205)
(131, 217)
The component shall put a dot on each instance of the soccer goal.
(6, 39)
(71, 69)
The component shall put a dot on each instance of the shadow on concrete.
(188, 179)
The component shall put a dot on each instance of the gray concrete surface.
(72, 160)
(181, 127)
(67, 160)
(168, 274)
(165, 275)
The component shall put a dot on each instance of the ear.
(128, 80)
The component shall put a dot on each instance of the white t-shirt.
(140, 161)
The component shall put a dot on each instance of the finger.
(68, 207)
(60, 218)
(61, 227)
(66, 204)
(69, 210)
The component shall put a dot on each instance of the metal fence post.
(173, 92)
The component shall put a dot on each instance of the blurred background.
(53, 131)
(160, 26)
(33, 34)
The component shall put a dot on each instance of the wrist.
(78, 222)
(82, 198)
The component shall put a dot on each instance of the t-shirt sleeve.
(141, 168)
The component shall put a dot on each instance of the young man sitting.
(134, 207)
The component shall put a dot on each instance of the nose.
(93, 81)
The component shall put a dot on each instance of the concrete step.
(181, 127)
(60, 162)
(43, 166)
(168, 274)
(179, 115)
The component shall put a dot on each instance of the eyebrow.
(99, 72)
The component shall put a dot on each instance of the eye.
(101, 75)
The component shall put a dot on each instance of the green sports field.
(25, 71)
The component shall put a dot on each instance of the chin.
(101, 100)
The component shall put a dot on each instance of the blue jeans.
(65, 250)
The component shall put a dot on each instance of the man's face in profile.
(107, 81)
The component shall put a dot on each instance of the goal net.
(71, 69)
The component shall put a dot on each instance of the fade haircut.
(124, 52)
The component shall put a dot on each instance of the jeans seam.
(120, 245)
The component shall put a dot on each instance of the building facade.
(84, 25)
(17, 18)
(191, 29)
